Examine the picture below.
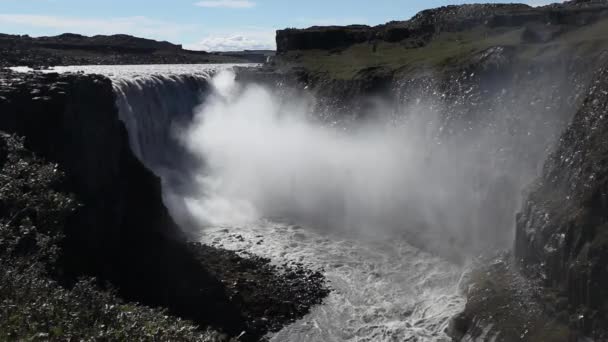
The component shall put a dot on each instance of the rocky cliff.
(562, 236)
(553, 288)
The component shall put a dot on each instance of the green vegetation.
(444, 50)
(33, 306)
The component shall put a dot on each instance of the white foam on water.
(382, 290)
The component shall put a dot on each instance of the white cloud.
(236, 41)
(226, 3)
(137, 25)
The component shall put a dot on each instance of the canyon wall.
(562, 236)
(122, 232)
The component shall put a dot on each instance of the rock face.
(562, 232)
(122, 233)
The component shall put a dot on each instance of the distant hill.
(76, 49)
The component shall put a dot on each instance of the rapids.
(382, 290)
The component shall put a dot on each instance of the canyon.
(441, 178)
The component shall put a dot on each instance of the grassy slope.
(444, 50)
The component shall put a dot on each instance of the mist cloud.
(268, 156)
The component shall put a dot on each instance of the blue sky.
(203, 24)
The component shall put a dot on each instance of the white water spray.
(267, 156)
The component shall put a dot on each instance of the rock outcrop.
(562, 231)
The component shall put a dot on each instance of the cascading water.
(151, 108)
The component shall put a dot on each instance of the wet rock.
(268, 296)
(562, 231)
(502, 305)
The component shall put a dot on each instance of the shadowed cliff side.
(122, 233)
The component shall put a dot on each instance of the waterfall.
(152, 109)
(155, 109)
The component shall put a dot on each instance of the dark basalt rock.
(562, 231)
(268, 296)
